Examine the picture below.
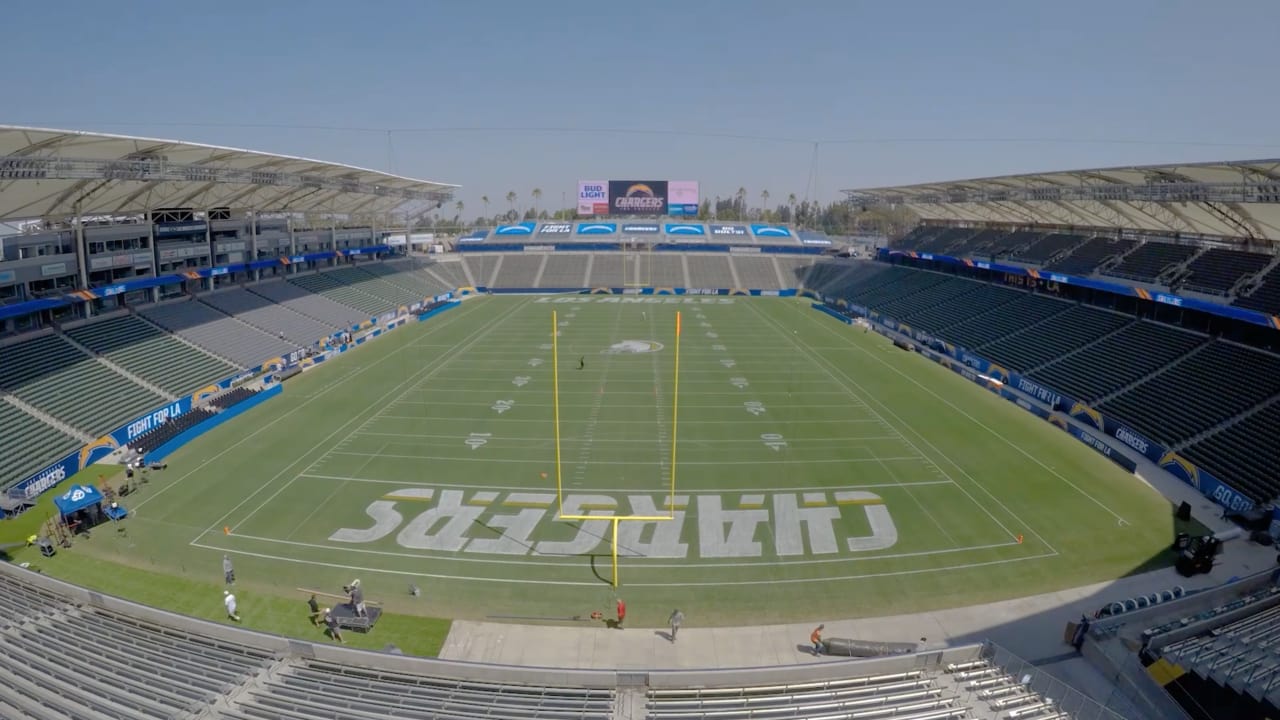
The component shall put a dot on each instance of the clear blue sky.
(926, 90)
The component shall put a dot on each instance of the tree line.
(834, 218)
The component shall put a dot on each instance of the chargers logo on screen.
(639, 198)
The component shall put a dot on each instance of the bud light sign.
(593, 197)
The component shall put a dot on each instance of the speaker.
(1184, 511)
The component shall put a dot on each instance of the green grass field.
(820, 473)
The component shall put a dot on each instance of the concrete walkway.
(1031, 627)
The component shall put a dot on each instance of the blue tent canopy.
(77, 498)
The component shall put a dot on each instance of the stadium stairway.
(116, 367)
(46, 418)
(1152, 375)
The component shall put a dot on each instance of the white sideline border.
(860, 403)
(448, 321)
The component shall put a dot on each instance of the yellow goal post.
(675, 417)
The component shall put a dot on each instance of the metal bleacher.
(1026, 311)
(1150, 260)
(406, 274)
(1218, 270)
(758, 272)
(1071, 329)
(333, 287)
(794, 270)
(663, 270)
(216, 332)
(150, 353)
(710, 271)
(1246, 452)
(29, 442)
(55, 377)
(1199, 391)
(309, 304)
(1266, 296)
(1117, 360)
(518, 271)
(1087, 257)
(564, 270)
(385, 293)
(327, 690)
(268, 316)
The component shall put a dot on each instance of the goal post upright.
(614, 520)
(555, 403)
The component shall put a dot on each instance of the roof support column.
(153, 294)
(82, 252)
(293, 245)
(251, 254)
(208, 244)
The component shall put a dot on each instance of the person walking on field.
(229, 601)
(815, 637)
(675, 621)
(228, 571)
(622, 612)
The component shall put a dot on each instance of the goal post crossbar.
(614, 520)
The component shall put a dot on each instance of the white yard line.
(422, 374)
(994, 432)
(463, 458)
(338, 488)
(750, 441)
(525, 560)
(448, 321)
(863, 397)
(707, 491)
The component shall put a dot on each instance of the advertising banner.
(770, 230)
(524, 228)
(682, 197)
(555, 229)
(597, 228)
(474, 236)
(641, 228)
(684, 229)
(593, 197)
(728, 230)
(638, 197)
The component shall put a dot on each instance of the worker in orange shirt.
(622, 612)
(815, 637)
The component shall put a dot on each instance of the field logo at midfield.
(630, 347)
(729, 525)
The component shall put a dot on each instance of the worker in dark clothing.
(582, 362)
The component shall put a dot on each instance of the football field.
(818, 472)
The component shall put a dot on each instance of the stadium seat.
(1149, 261)
(1084, 259)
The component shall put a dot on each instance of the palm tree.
(791, 203)
(485, 200)
(764, 204)
(511, 200)
(740, 200)
(537, 195)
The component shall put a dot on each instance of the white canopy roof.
(1227, 199)
(56, 174)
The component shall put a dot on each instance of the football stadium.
(969, 422)
(999, 421)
